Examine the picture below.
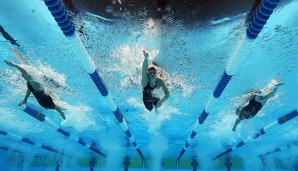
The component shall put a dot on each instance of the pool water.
(190, 60)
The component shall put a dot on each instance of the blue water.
(190, 60)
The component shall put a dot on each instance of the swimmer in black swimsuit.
(35, 87)
(150, 83)
(255, 103)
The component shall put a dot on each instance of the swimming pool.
(190, 59)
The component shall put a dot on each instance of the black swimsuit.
(43, 99)
(149, 98)
(251, 109)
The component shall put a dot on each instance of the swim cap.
(151, 68)
(261, 93)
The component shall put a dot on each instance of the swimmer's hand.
(145, 53)
(22, 102)
(13, 51)
(159, 103)
(9, 63)
(279, 84)
(62, 115)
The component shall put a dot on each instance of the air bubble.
(179, 23)
(109, 9)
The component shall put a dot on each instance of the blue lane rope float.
(237, 58)
(261, 132)
(49, 148)
(97, 151)
(287, 117)
(34, 113)
(4, 148)
(67, 134)
(8, 149)
(260, 17)
(99, 83)
(41, 117)
(3, 133)
(58, 11)
(28, 141)
(202, 118)
(225, 79)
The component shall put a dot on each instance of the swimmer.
(150, 82)
(254, 103)
(34, 87)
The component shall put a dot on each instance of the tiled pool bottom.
(15, 162)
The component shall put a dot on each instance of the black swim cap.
(151, 68)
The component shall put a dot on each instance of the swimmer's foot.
(60, 111)
(238, 111)
(279, 84)
(62, 115)
(156, 110)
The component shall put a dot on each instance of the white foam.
(158, 145)
(78, 117)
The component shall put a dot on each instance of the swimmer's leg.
(238, 110)
(156, 109)
(155, 104)
(236, 123)
(60, 111)
(272, 91)
(20, 58)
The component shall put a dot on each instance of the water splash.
(77, 117)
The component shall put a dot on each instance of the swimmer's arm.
(26, 97)
(145, 78)
(15, 53)
(22, 70)
(250, 96)
(165, 90)
(21, 58)
(36, 86)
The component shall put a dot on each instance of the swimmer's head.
(151, 68)
(261, 94)
(152, 72)
(26, 76)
